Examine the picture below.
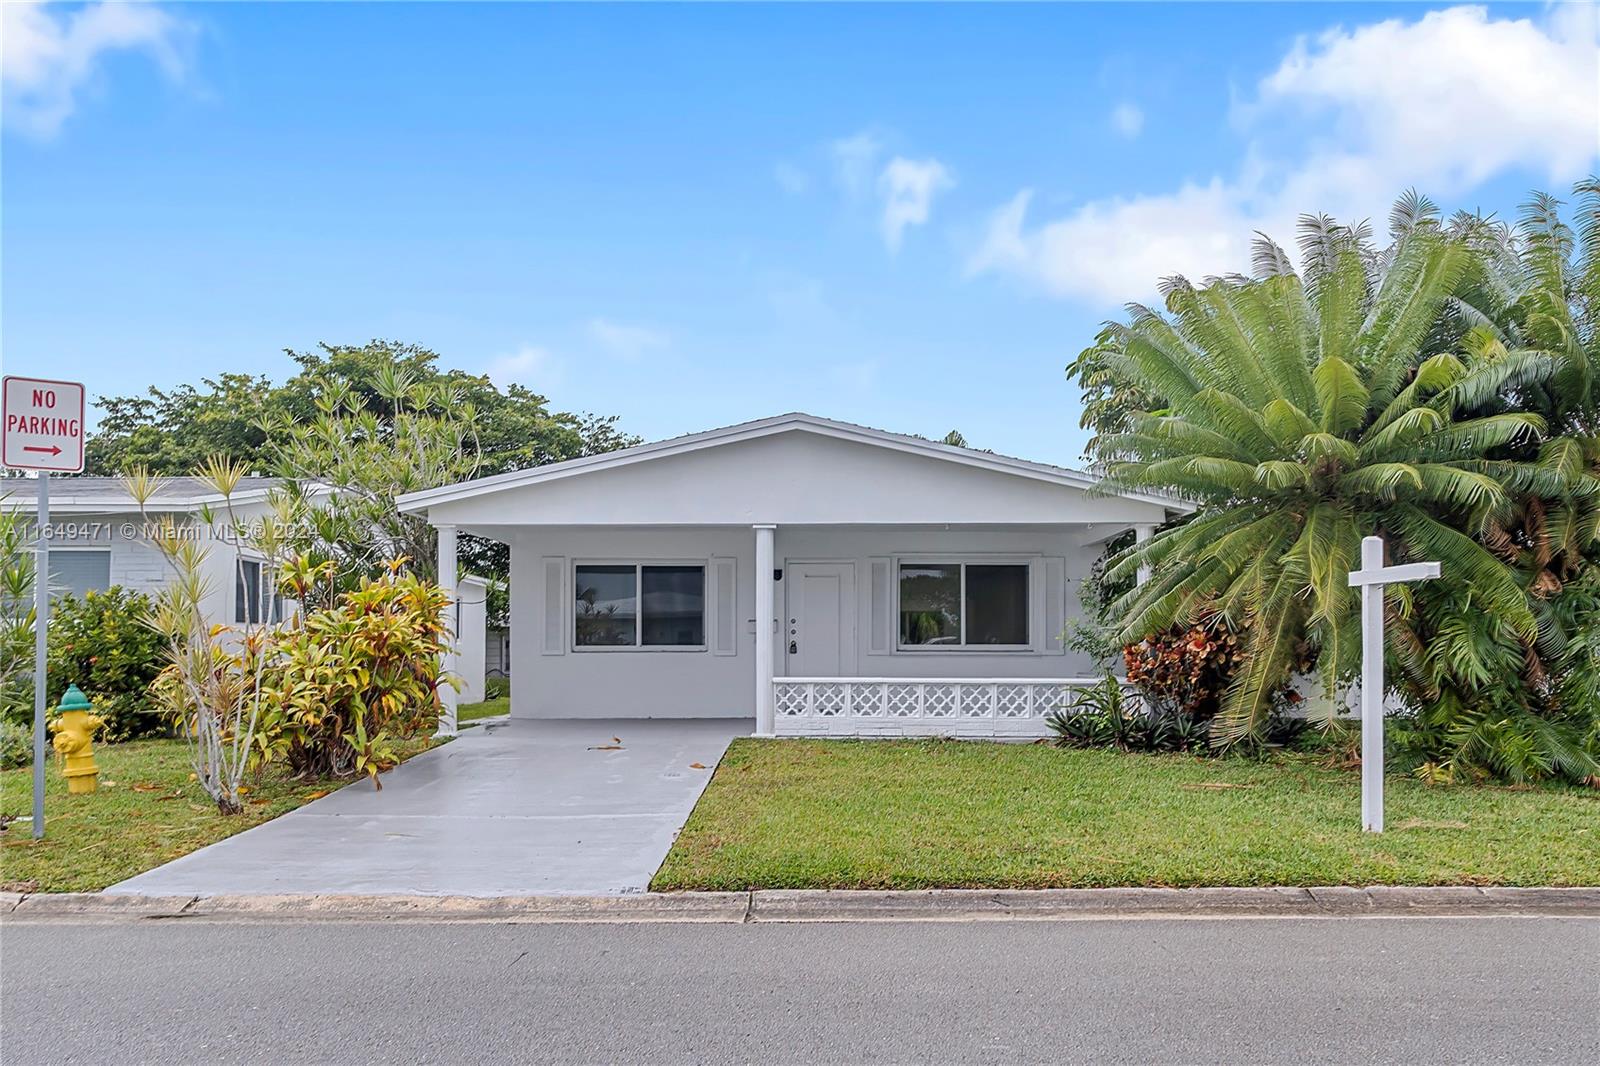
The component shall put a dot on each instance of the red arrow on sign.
(54, 449)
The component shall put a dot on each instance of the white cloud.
(529, 365)
(854, 159)
(791, 179)
(46, 58)
(1127, 119)
(1346, 122)
(908, 187)
(624, 341)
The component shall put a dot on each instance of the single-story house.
(99, 539)
(816, 576)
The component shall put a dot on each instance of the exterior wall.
(472, 632)
(497, 654)
(556, 681)
(788, 479)
(138, 565)
(559, 682)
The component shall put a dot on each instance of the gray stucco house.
(816, 576)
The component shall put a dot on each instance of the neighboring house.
(497, 653)
(818, 576)
(99, 538)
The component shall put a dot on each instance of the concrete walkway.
(522, 808)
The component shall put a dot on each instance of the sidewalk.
(934, 905)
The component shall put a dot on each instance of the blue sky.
(911, 217)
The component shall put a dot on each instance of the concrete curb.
(781, 906)
(1117, 903)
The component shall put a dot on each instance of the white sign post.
(1371, 579)
(42, 430)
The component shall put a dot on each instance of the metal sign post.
(42, 430)
(1371, 579)
(41, 644)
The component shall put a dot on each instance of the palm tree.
(1306, 410)
(1486, 701)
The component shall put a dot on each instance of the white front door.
(819, 619)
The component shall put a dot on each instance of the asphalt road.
(1520, 990)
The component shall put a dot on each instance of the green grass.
(469, 712)
(147, 811)
(920, 814)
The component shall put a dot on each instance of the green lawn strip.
(921, 814)
(147, 811)
(469, 712)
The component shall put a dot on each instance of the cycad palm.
(1305, 413)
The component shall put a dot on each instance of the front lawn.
(148, 811)
(471, 712)
(921, 814)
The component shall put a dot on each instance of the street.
(1244, 990)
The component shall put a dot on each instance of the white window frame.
(638, 644)
(266, 591)
(963, 560)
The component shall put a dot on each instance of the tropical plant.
(16, 744)
(102, 643)
(16, 611)
(213, 683)
(348, 680)
(1305, 410)
(1186, 669)
(1488, 704)
(1105, 716)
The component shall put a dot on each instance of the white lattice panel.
(939, 700)
(790, 699)
(905, 701)
(1051, 697)
(866, 700)
(1011, 701)
(909, 707)
(829, 700)
(977, 701)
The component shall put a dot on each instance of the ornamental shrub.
(1107, 715)
(328, 692)
(348, 680)
(16, 745)
(1187, 669)
(103, 643)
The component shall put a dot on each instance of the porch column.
(765, 718)
(447, 585)
(1142, 533)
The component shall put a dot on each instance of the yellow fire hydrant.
(74, 731)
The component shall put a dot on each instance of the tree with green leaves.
(174, 431)
(171, 432)
(1302, 410)
(1487, 702)
(371, 421)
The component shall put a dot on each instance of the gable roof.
(794, 422)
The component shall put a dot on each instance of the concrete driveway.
(517, 808)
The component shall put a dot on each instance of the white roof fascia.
(69, 503)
